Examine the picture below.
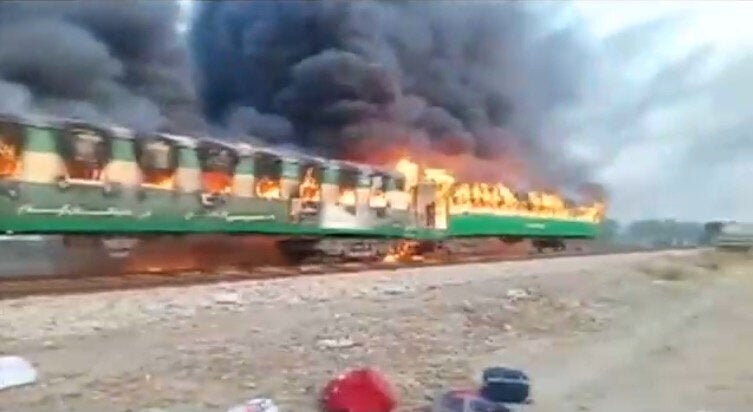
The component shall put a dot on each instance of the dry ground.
(663, 332)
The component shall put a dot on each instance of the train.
(110, 185)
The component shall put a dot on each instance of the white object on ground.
(255, 405)
(16, 371)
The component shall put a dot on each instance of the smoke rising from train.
(356, 79)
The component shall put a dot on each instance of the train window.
(158, 161)
(268, 172)
(85, 151)
(347, 182)
(217, 163)
(310, 177)
(11, 145)
(377, 195)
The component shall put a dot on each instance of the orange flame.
(479, 197)
(403, 251)
(10, 164)
(159, 179)
(347, 197)
(267, 188)
(217, 182)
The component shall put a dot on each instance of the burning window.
(85, 151)
(218, 164)
(309, 189)
(158, 161)
(489, 198)
(347, 183)
(11, 139)
(507, 197)
(268, 171)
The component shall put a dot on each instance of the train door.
(430, 208)
(378, 194)
(307, 200)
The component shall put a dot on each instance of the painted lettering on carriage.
(71, 210)
(224, 215)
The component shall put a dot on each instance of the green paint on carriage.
(493, 225)
(40, 139)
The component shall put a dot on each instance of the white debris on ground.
(16, 371)
(209, 347)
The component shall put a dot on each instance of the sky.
(669, 120)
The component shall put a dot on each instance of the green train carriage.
(73, 178)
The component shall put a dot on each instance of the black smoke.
(339, 78)
(349, 78)
(102, 61)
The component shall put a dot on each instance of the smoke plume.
(358, 79)
(101, 61)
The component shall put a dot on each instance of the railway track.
(24, 286)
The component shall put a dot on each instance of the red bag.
(362, 390)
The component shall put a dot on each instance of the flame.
(217, 182)
(159, 179)
(409, 170)
(10, 164)
(267, 188)
(347, 197)
(309, 189)
(442, 178)
(496, 198)
(403, 251)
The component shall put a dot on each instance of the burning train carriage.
(70, 177)
(64, 173)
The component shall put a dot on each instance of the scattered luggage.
(466, 401)
(362, 390)
(505, 385)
